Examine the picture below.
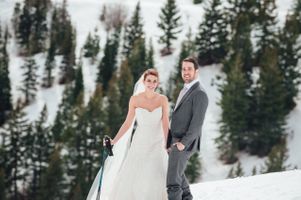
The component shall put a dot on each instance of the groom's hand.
(180, 146)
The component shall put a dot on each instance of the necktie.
(182, 93)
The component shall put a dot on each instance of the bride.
(139, 166)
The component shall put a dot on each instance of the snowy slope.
(85, 14)
(272, 186)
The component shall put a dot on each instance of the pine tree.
(32, 28)
(234, 122)
(150, 55)
(14, 148)
(91, 47)
(83, 148)
(193, 170)
(49, 65)
(241, 44)
(268, 113)
(246, 8)
(79, 82)
(176, 82)
(29, 80)
(24, 28)
(64, 36)
(288, 60)
(133, 31)
(76, 135)
(266, 29)
(126, 85)
(169, 24)
(211, 40)
(97, 118)
(197, 1)
(68, 48)
(276, 159)
(108, 64)
(16, 16)
(2, 170)
(236, 172)
(297, 13)
(254, 171)
(63, 115)
(5, 96)
(2, 184)
(53, 186)
(114, 120)
(41, 147)
(39, 26)
(138, 59)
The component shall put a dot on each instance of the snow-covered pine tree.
(79, 82)
(5, 96)
(14, 149)
(247, 8)
(91, 47)
(133, 31)
(170, 25)
(32, 25)
(29, 87)
(39, 28)
(40, 146)
(212, 39)
(49, 65)
(108, 63)
(23, 32)
(266, 29)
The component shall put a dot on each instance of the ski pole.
(104, 154)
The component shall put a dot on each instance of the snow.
(85, 17)
(272, 186)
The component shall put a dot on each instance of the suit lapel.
(185, 97)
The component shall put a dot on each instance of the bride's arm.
(127, 123)
(165, 117)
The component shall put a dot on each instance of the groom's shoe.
(189, 197)
(187, 194)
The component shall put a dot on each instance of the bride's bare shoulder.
(135, 98)
(163, 98)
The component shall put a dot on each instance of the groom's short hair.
(193, 61)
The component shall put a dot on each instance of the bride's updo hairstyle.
(151, 71)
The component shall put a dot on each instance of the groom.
(185, 130)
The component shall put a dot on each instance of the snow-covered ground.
(85, 14)
(272, 186)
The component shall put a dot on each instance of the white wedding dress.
(142, 172)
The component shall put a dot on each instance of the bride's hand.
(111, 141)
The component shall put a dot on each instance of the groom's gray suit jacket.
(187, 119)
